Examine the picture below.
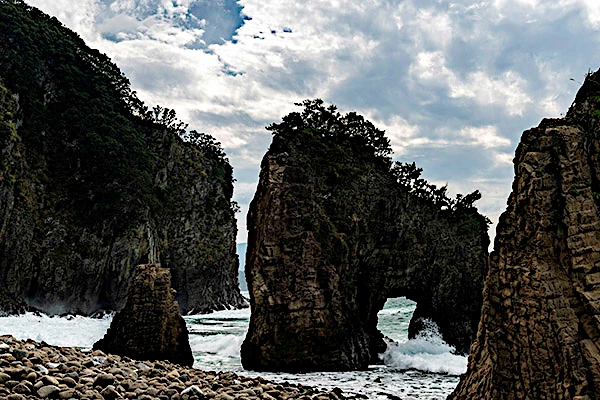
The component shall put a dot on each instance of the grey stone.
(103, 380)
(48, 391)
(4, 378)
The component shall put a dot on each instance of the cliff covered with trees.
(336, 228)
(93, 183)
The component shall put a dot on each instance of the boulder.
(539, 334)
(149, 327)
(11, 304)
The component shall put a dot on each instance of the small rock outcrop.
(539, 336)
(149, 327)
(336, 228)
(92, 183)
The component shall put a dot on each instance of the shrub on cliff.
(93, 182)
(354, 134)
(82, 97)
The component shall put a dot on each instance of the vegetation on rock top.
(93, 182)
(332, 133)
(80, 96)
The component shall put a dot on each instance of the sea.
(420, 368)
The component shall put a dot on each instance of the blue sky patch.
(222, 19)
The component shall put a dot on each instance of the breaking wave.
(427, 352)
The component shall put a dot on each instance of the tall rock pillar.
(334, 230)
(539, 334)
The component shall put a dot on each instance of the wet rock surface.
(149, 327)
(68, 373)
(332, 235)
(539, 335)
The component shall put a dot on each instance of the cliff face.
(149, 327)
(93, 183)
(333, 234)
(539, 334)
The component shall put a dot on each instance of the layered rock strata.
(333, 234)
(539, 334)
(93, 183)
(149, 327)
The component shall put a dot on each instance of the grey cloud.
(543, 47)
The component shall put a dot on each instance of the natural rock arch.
(334, 230)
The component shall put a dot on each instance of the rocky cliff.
(539, 334)
(149, 327)
(93, 183)
(334, 230)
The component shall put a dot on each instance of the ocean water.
(421, 368)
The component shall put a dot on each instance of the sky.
(453, 83)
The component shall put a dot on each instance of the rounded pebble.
(64, 373)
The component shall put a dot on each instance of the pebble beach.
(32, 370)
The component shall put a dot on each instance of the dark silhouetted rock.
(334, 232)
(92, 183)
(149, 327)
(11, 304)
(539, 334)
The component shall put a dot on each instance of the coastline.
(30, 370)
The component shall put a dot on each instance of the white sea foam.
(427, 352)
(72, 331)
(224, 314)
(221, 345)
(423, 367)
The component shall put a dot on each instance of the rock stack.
(333, 234)
(149, 327)
(539, 334)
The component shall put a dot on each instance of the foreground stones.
(539, 335)
(31, 370)
(149, 327)
(333, 233)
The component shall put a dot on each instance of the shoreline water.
(422, 368)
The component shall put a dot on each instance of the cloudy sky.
(453, 83)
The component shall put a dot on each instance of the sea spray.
(427, 352)
(215, 340)
(69, 331)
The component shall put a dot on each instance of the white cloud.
(447, 76)
(80, 18)
(503, 159)
(507, 91)
(484, 136)
(436, 27)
